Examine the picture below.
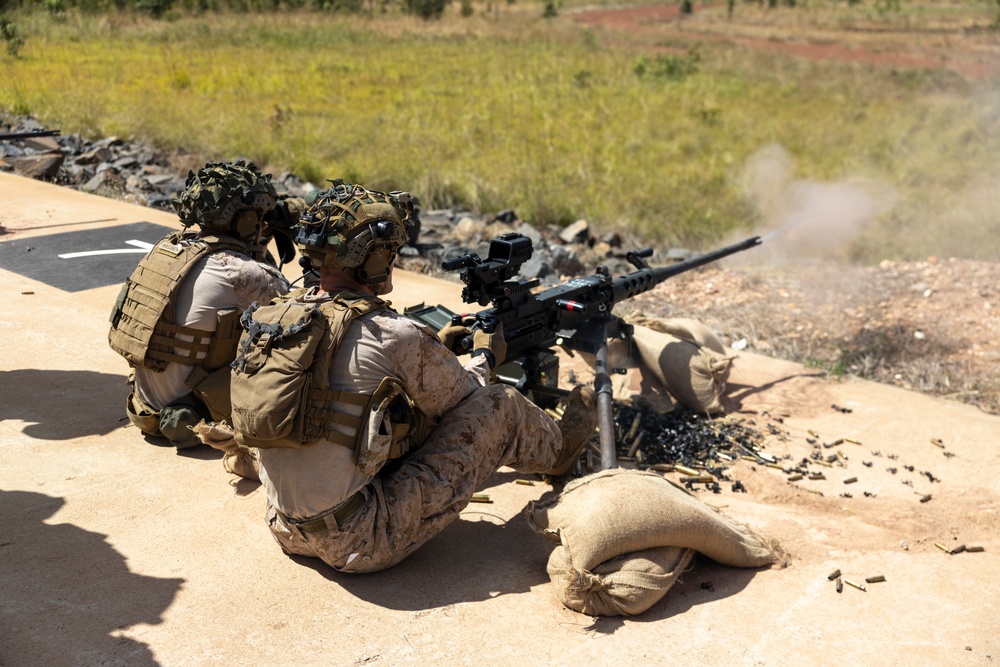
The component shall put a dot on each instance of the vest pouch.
(214, 392)
(116, 312)
(143, 417)
(270, 376)
(225, 340)
(391, 417)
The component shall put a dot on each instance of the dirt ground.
(904, 40)
(933, 326)
(119, 551)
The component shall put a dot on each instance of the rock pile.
(111, 166)
(135, 172)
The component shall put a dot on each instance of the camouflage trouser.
(493, 427)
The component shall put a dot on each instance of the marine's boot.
(238, 460)
(577, 425)
(242, 462)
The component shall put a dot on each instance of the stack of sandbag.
(685, 356)
(626, 535)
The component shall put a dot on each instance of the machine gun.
(575, 315)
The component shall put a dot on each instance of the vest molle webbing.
(142, 328)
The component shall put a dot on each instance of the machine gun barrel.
(637, 282)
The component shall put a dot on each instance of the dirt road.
(120, 551)
(965, 47)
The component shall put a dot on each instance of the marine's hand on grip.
(490, 343)
(452, 335)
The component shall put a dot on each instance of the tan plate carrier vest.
(281, 392)
(142, 322)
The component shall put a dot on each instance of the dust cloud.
(807, 220)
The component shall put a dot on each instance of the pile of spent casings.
(696, 445)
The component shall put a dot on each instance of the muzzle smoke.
(807, 220)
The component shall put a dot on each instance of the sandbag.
(695, 375)
(682, 327)
(620, 511)
(625, 585)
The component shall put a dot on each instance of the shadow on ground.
(478, 557)
(481, 556)
(66, 592)
(62, 405)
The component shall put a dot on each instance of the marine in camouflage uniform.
(176, 319)
(325, 498)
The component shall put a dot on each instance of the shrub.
(425, 9)
(11, 34)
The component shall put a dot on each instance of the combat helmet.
(356, 230)
(228, 196)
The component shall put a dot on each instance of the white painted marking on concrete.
(141, 247)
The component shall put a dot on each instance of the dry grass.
(540, 116)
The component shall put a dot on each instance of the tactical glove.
(285, 213)
(451, 335)
(281, 221)
(492, 345)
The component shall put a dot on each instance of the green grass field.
(510, 110)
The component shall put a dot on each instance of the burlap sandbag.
(694, 374)
(681, 327)
(625, 585)
(619, 511)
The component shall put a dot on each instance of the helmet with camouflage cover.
(231, 197)
(355, 230)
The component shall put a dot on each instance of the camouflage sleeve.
(252, 280)
(434, 377)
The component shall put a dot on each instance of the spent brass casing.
(833, 575)
(852, 441)
(959, 549)
(707, 479)
(860, 587)
(942, 547)
(794, 478)
(685, 470)
(525, 482)
(634, 447)
(662, 467)
(975, 549)
(817, 475)
(635, 426)
(924, 499)
(937, 442)
(850, 480)
(840, 585)
(481, 498)
(874, 580)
